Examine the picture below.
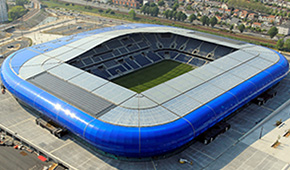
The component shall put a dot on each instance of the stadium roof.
(45, 65)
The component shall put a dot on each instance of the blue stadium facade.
(130, 141)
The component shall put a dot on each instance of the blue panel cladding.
(161, 139)
(202, 118)
(24, 55)
(113, 139)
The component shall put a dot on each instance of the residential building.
(224, 6)
(234, 21)
(129, 3)
(3, 11)
(228, 11)
(251, 16)
(256, 25)
(284, 29)
(243, 14)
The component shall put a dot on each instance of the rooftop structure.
(3, 11)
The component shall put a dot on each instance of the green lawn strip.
(151, 76)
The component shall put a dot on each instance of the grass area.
(151, 76)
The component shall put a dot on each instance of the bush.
(278, 122)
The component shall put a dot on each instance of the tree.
(273, 31)
(154, 11)
(183, 16)
(175, 6)
(192, 17)
(142, 10)
(188, 7)
(151, 9)
(161, 3)
(166, 13)
(287, 44)
(170, 14)
(241, 28)
(204, 19)
(232, 27)
(213, 21)
(280, 44)
(174, 14)
(16, 12)
(132, 14)
(21, 2)
(178, 15)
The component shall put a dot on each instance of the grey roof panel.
(226, 63)
(121, 116)
(206, 72)
(33, 67)
(59, 51)
(182, 105)
(272, 57)
(88, 81)
(161, 93)
(74, 52)
(185, 82)
(260, 63)
(245, 71)
(114, 93)
(80, 42)
(156, 116)
(139, 102)
(70, 71)
(72, 94)
(204, 93)
(226, 81)
(241, 55)
(48, 64)
(129, 118)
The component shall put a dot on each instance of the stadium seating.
(180, 40)
(221, 51)
(191, 45)
(183, 58)
(110, 63)
(132, 63)
(88, 61)
(135, 51)
(101, 49)
(197, 62)
(117, 70)
(153, 56)
(101, 73)
(142, 60)
(206, 48)
(166, 39)
(137, 37)
(114, 44)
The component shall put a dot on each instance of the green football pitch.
(151, 76)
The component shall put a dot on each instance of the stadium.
(140, 90)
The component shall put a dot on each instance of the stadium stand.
(206, 48)
(191, 45)
(135, 51)
(221, 51)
